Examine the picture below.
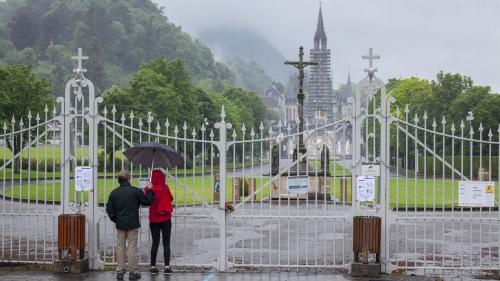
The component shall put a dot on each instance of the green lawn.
(429, 193)
(402, 192)
(109, 172)
(53, 153)
(336, 169)
(201, 186)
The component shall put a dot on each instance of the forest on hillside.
(138, 60)
(117, 35)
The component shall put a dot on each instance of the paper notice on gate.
(83, 178)
(297, 184)
(476, 193)
(365, 188)
(143, 182)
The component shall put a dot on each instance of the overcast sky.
(413, 37)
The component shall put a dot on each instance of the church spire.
(348, 86)
(320, 36)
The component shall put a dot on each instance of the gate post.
(92, 211)
(222, 146)
(74, 91)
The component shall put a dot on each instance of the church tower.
(320, 99)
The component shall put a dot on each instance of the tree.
(414, 92)
(20, 93)
(247, 99)
(446, 88)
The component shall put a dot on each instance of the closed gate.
(240, 200)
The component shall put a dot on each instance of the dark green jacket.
(123, 206)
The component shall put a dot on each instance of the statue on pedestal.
(325, 159)
(275, 159)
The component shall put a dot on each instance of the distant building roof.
(271, 101)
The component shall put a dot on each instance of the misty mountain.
(248, 46)
(117, 35)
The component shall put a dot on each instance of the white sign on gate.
(143, 182)
(370, 170)
(365, 188)
(83, 178)
(476, 193)
(297, 184)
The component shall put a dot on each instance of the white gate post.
(66, 119)
(92, 212)
(74, 88)
(222, 146)
(385, 140)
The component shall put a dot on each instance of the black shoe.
(119, 276)
(134, 276)
(167, 270)
(153, 270)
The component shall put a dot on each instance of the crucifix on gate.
(370, 57)
(300, 65)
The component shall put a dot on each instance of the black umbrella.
(154, 154)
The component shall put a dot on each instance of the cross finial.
(79, 59)
(370, 57)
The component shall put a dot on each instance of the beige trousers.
(130, 237)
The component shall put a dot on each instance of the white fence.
(424, 230)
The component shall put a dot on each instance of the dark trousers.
(164, 228)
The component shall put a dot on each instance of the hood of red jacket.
(157, 177)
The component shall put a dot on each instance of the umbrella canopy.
(154, 154)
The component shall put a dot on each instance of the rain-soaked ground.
(212, 276)
(292, 236)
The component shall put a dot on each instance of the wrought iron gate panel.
(431, 231)
(272, 229)
(194, 225)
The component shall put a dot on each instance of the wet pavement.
(210, 276)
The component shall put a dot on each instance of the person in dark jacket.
(123, 209)
(160, 213)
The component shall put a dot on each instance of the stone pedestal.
(319, 187)
(370, 270)
(236, 188)
(345, 191)
(250, 188)
(66, 266)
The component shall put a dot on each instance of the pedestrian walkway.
(275, 276)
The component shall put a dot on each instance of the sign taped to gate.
(297, 184)
(365, 188)
(143, 182)
(476, 193)
(370, 170)
(83, 178)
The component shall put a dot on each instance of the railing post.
(222, 146)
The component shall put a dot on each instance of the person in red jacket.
(160, 213)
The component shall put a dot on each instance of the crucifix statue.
(300, 65)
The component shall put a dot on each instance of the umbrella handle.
(153, 161)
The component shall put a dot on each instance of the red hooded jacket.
(162, 193)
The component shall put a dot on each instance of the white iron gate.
(416, 193)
